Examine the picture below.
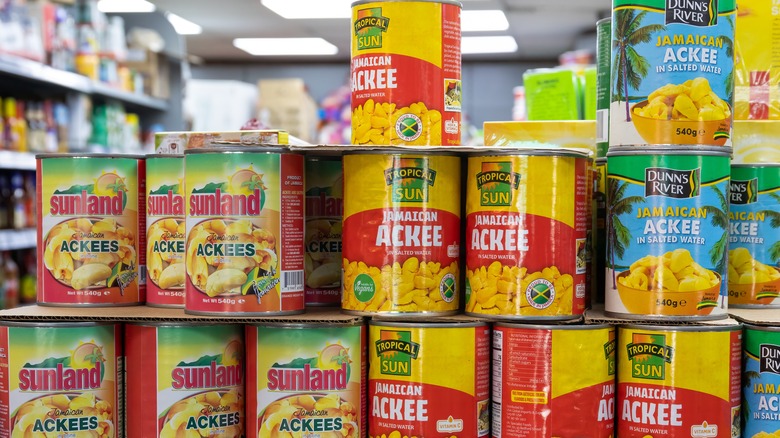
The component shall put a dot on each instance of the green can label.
(754, 240)
(603, 67)
(667, 234)
(672, 72)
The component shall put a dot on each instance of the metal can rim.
(654, 150)
(603, 20)
(256, 149)
(87, 155)
(178, 324)
(446, 2)
(682, 328)
(554, 326)
(533, 152)
(760, 328)
(393, 152)
(423, 324)
(56, 324)
(757, 165)
(302, 324)
(148, 156)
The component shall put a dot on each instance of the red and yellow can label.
(412, 370)
(401, 239)
(679, 382)
(526, 226)
(536, 389)
(91, 230)
(406, 71)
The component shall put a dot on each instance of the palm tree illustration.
(747, 377)
(618, 235)
(728, 44)
(774, 250)
(719, 218)
(629, 67)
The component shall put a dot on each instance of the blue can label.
(761, 388)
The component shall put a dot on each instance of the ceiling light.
(119, 6)
(182, 25)
(488, 44)
(483, 21)
(310, 8)
(285, 46)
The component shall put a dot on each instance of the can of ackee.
(536, 389)
(324, 212)
(306, 379)
(244, 250)
(419, 385)
(61, 379)
(526, 227)
(754, 241)
(184, 380)
(91, 229)
(401, 247)
(406, 71)
(761, 381)
(667, 233)
(679, 380)
(672, 72)
(165, 230)
(600, 229)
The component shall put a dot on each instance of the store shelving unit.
(11, 240)
(17, 160)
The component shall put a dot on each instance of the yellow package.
(757, 61)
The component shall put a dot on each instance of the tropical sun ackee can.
(537, 391)
(184, 380)
(406, 72)
(526, 228)
(754, 239)
(165, 230)
(91, 229)
(679, 381)
(324, 212)
(60, 379)
(306, 380)
(401, 236)
(419, 385)
(244, 215)
(761, 382)
(667, 233)
(672, 72)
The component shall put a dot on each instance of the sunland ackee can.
(667, 233)
(418, 385)
(306, 379)
(60, 380)
(537, 389)
(165, 230)
(754, 239)
(761, 381)
(91, 229)
(184, 380)
(324, 212)
(406, 71)
(244, 250)
(401, 233)
(526, 228)
(672, 72)
(679, 381)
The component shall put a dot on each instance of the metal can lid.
(309, 325)
(149, 156)
(543, 152)
(754, 165)
(425, 324)
(554, 326)
(603, 21)
(761, 328)
(259, 149)
(446, 2)
(389, 151)
(87, 155)
(683, 328)
(677, 149)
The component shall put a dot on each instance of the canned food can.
(401, 233)
(600, 230)
(679, 381)
(761, 377)
(165, 230)
(90, 229)
(306, 379)
(244, 231)
(754, 241)
(603, 83)
(536, 389)
(672, 72)
(526, 226)
(406, 73)
(408, 383)
(667, 233)
(60, 379)
(184, 380)
(324, 212)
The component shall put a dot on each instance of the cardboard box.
(155, 70)
(285, 104)
(176, 142)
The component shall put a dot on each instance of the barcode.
(292, 281)
(602, 126)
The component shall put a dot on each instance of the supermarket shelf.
(40, 74)
(17, 160)
(17, 239)
(154, 314)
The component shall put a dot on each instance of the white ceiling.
(543, 28)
